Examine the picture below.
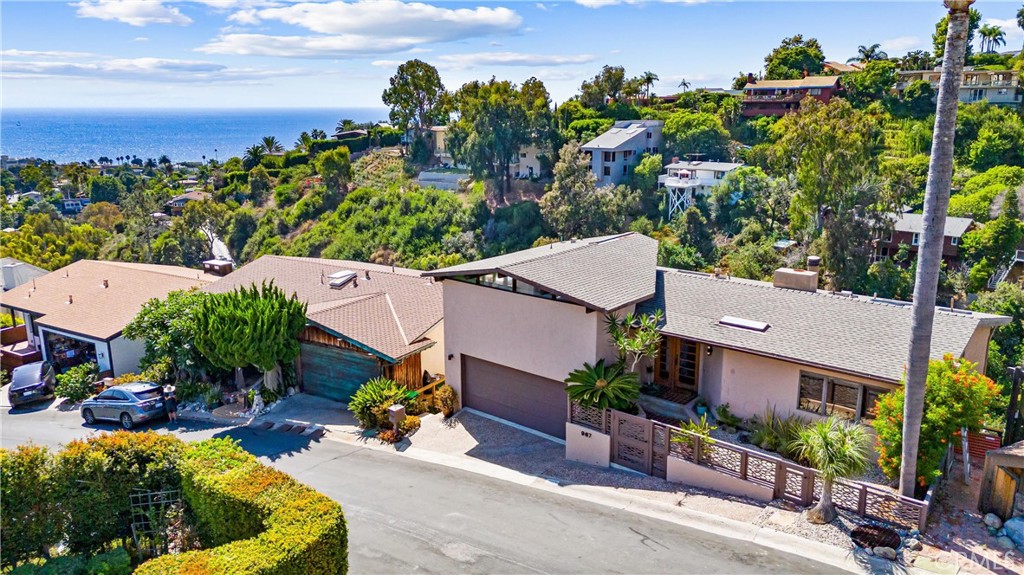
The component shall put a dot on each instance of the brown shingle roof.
(808, 82)
(389, 313)
(98, 312)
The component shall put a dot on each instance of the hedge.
(353, 144)
(114, 562)
(261, 521)
(295, 158)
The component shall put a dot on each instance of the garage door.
(530, 400)
(333, 372)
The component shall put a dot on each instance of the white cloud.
(476, 59)
(346, 29)
(603, 3)
(1010, 28)
(12, 53)
(140, 39)
(545, 7)
(133, 12)
(894, 46)
(139, 70)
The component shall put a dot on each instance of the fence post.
(862, 500)
(696, 448)
(743, 465)
(807, 487)
(780, 480)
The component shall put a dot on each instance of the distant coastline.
(77, 135)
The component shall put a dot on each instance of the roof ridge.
(582, 244)
(398, 322)
(336, 303)
(134, 266)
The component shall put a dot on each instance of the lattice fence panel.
(760, 470)
(591, 417)
(894, 509)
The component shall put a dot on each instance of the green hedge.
(115, 562)
(262, 521)
(353, 144)
(295, 158)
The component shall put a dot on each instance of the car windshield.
(151, 393)
(24, 376)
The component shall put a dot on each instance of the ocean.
(182, 135)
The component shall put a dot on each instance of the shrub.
(726, 417)
(603, 386)
(5, 321)
(259, 520)
(447, 398)
(93, 479)
(955, 396)
(389, 436)
(410, 424)
(370, 402)
(30, 523)
(76, 384)
(774, 433)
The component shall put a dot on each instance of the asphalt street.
(408, 516)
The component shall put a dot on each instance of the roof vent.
(748, 324)
(366, 274)
(106, 284)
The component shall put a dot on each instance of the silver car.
(129, 404)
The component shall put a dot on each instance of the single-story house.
(907, 229)
(517, 324)
(362, 320)
(177, 204)
(76, 314)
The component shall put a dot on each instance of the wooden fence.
(427, 393)
(789, 481)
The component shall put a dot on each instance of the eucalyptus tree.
(416, 97)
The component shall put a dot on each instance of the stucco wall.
(531, 334)
(585, 445)
(433, 358)
(687, 473)
(710, 381)
(977, 348)
(126, 354)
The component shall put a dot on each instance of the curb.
(315, 430)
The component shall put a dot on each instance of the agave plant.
(603, 386)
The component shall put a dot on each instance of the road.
(409, 516)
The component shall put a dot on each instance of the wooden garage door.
(333, 372)
(536, 402)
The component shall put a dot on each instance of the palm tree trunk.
(825, 510)
(936, 203)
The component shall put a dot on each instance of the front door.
(678, 363)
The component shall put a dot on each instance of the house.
(350, 134)
(780, 97)
(907, 230)
(527, 163)
(685, 181)
(998, 87)
(17, 272)
(362, 320)
(616, 150)
(71, 206)
(516, 325)
(177, 204)
(76, 314)
(841, 68)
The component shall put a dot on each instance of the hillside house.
(780, 97)
(685, 181)
(614, 152)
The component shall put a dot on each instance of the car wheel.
(126, 421)
(89, 417)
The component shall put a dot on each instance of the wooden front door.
(678, 363)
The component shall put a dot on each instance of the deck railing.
(428, 394)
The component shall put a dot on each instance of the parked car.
(32, 382)
(129, 404)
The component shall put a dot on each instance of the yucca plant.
(603, 386)
(837, 449)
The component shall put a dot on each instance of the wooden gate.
(631, 441)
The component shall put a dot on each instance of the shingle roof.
(808, 82)
(620, 133)
(603, 273)
(389, 313)
(855, 335)
(19, 271)
(98, 312)
(914, 223)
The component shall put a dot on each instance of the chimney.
(355, 282)
(750, 78)
(813, 264)
(802, 280)
(9, 276)
(106, 284)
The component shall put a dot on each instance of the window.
(627, 154)
(954, 240)
(649, 135)
(607, 170)
(654, 149)
(833, 396)
(522, 155)
(609, 156)
(687, 375)
(814, 91)
(624, 170)
(719, 175)
(916, 240)
(663, 359)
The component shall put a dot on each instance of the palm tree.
(996, 39)
(936, 204)
(869, 53)
(1020, 21)
(648, 79)
(271, 145)
(684, 84)
(837, 449)
(318, 134)
(77, 174)
(305, 142)
(345, 125)
(603, 386)
(253, 156)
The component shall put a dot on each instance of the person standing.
(171, 404)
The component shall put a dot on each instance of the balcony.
(790, 97)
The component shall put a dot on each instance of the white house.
(687, 180)
(615, 151)
(527, 163)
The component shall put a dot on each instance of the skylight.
(748, 324)
(341, 279)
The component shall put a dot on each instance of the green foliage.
(955, 396)
(50, 242)
(603, 387)
(683, 257)
(726, 417)
(987, 135)
(774, 433)
(335, 167)
(254, 519)
(76, 383)
(996, 240)
(169, 328)
(574, 207)
(370, 402)
(755, 260)
(105, 189)
(6, 321)
(415, 96)
(30, 522)
(793, 57)
(636, 336)
(586, 129)
(836, 448)
(410, 424)
(447, 399)
(974, 200)
(1008, 300)
(512, 228)
(255, 326)
(942, 28)
(890, 277)
(113, 562)
(871, 84)
(689, 132)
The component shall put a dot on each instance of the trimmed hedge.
(262, 521)
(114, 562)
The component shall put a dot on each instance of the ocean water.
(182, 135)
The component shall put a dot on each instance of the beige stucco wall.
(531, 334)
(433, 357)
(977, 348)
(126, 354)
(687, 473)
(709, 384)
(585, 445)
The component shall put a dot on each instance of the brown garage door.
(536, 402)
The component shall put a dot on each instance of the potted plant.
(700, 405)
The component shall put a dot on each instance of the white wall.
(433, 358)
(126, 354)
(531, 334)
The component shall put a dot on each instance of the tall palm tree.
(253, 156)
(869, 53)
(984, 32)
(271, 145)
(936, 204)
(1020, 21)
(684, 84)
(648, 79)
(318, 134)
(996, 39)
(838, 450)
(305, 142)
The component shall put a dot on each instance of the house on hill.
(780, 97)
(620, 147)
(907, 229)
(685, 181)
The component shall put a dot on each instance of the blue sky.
(334, 53)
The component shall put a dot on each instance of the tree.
(318, 134)
(870, 53)
(416, 97)
(31, 520)
(335, 166)
(916, 60)
(253, 156)
(942, 26)
(684, 84)
(102, 215)
(77, 174)
(206, 216)
(919, 99)
(837, 450)
(872, 83)
(691, 227)
(105, 189)
(256, 326)
(688, 132)
(929, 258)
(603, 387)
(648, 79)
(168, 328)
(271, 145)
(793, 57)
(259, 184)
(574, 207)
(606, 85)
(636, 336)
(243, 226)
(1008, 341)
(304, 143)
(1020, 20)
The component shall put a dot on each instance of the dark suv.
(32, 382)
